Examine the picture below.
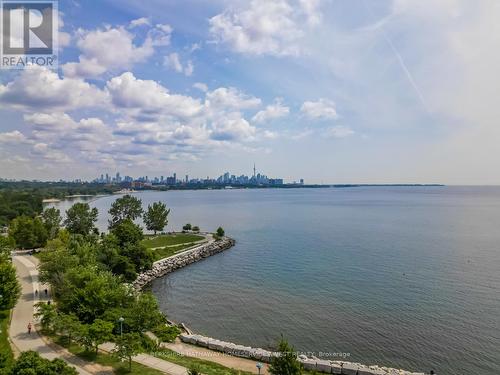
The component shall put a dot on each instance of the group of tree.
(32, 232)
(191, 228)
(10, 289)
(31, 363)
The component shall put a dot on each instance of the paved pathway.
(23, 314)
(215, 356)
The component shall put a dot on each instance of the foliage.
(18, 203)
(7, 244)
(48, 315)
(99, 332)
(10, 290)
(127, 232)
(144, 313)
(127, 346)
(80, 219)
(286, 363)
(52, 221)
(68, 325)
(194, 370)
(156, 216)
(124, 208)
(186, 227)
(220, 232)
(30, 363)
(27, 232)
(196, 229)
(166, 333)
(6, 356)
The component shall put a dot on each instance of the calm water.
(404, 277)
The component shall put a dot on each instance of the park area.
(166, 245)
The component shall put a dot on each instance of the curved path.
(22, 314)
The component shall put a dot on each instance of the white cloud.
(143, 21)
(201, 86)
(113, 49)
(321, 109)
(225, 98)
(232, 128)
(265, 27)
(14, 137)
(38, 88)
(339, 131)
(149, 98)
(172, 61)
(272, 112)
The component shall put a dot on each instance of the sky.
(331, 91)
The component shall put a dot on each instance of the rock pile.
(309, 363)
(170, 264)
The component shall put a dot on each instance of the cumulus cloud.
(172, 61)
(230, 98)
(149, 99)
(113, 49)
(201, 86)
(271, 112)
(14, 137)
(265, 27)
(142, 21)
(339, 131)
(321, 109)
(37, 88)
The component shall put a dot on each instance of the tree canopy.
(80, 219)
(156, 216)
(124, 208)
(27, 232)
(286, 363)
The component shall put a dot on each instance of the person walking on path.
(29, 328)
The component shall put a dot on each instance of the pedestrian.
(48, 302)
(29, 328)
(36, 292)
(46, 292)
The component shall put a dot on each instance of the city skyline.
(354, 92)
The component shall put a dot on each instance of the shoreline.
(170, 264)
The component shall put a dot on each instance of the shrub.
(167, 333)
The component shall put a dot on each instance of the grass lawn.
(105, 359)
(205, 367)
(164, 252)
(171, 239)
(6, 356)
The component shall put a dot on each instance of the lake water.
(407, 277)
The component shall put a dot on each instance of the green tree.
(80, 219)
(125, 208)
(52, 221)
(27, 232)
(48, 315)
(127, 346)
(7, 244)
(286, 362)
(10, 290)
(68, 325)
(187, 227)
(99, 332)
(30, 363)
(220, 232)
(156, 216)
(127, 232)
(139, 255)
(196, 229)
(144, 314)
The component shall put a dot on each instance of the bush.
(194, 370)
(186, 227)
(167, 333)
(220, 232)
(196, 229)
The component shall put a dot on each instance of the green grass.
(171, 239)
(164, 252)
(103, 359)
(205, 367)
(6, 356)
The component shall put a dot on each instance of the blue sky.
(332, 91)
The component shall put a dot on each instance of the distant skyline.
(392, 91)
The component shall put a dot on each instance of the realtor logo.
(28, 34)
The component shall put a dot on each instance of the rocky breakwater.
(309, 363)
(170, 264)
